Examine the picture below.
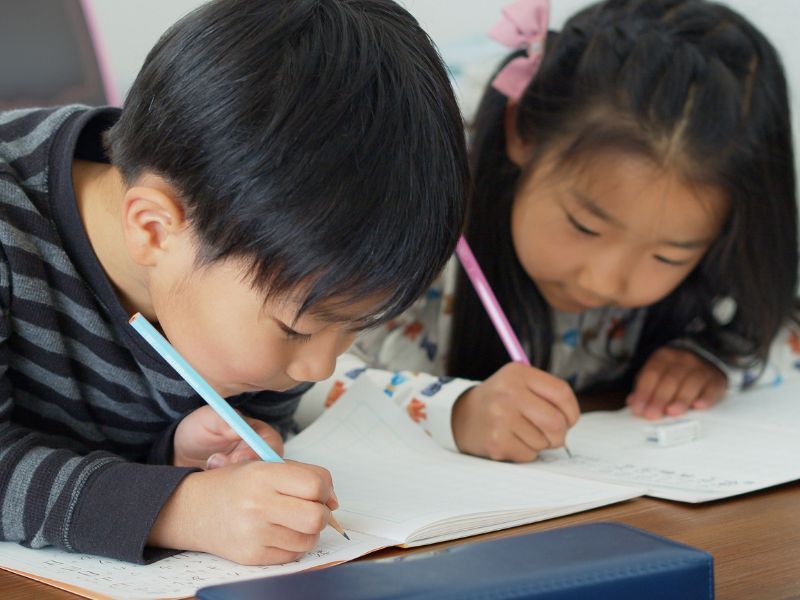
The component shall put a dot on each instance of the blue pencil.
(207, 393)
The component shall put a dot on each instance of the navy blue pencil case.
(597, 560)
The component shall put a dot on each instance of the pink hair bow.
(522, 26)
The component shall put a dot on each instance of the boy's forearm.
(179, 524)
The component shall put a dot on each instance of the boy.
(282, 175)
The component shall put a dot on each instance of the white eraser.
(672, 432)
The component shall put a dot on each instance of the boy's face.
(617, 231)
(235, 340)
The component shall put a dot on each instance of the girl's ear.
(518, 150)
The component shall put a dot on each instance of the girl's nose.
(605, 277)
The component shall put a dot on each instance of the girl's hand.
(513, 415)
(204, 440)
(674, 380)
(253, 512)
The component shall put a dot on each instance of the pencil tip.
(569, 454)
(346, 536)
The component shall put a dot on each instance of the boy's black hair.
(691, 85)
(317, 140)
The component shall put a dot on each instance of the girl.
(634, 211)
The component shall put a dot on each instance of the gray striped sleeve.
(49, 495)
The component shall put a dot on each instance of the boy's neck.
(100, 191)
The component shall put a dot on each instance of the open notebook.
(395, 486)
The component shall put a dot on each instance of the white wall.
(129, 29)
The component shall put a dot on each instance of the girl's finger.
(711, 394)
(646, 385)
(663, 394)
(688, 392)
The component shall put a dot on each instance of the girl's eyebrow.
(598, 211)
(687, 244)
(594, 207)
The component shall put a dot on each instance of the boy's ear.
(152, 215)
(518, 150)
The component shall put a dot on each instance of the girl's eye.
(582, 228)
(673, 263)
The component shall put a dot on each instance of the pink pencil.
(490, 303)
(492, 306)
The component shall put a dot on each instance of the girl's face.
(616, 231)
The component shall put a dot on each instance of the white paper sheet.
(748, 442)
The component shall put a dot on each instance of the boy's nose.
(312, 365)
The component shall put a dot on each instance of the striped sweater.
(87, 409)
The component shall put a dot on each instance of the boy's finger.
(242, 455)
(275, 442)
(217, 461)
(333, 501)
(300, 515)
(304, 481)
(264, 430)
(291, 540)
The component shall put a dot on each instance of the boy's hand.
(254, 512)
(513, 415)
(204, 440)
(674, 380)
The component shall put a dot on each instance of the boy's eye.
(298, 337)
(293, 335)
(582, 228)
(667, 261)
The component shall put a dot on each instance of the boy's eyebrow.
(356, 323)
(286, 327)
(598, 211)
(329, 317)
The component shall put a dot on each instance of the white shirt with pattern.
(407, 358)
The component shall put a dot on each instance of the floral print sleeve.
(783, 363)
(418, 341)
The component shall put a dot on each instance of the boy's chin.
(285, 387)
(278, 386)
(246, 388)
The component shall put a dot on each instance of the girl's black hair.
(317, 140)
(691, 85)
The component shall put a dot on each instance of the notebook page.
(748, 442)
(392, 479)
(178, 576)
